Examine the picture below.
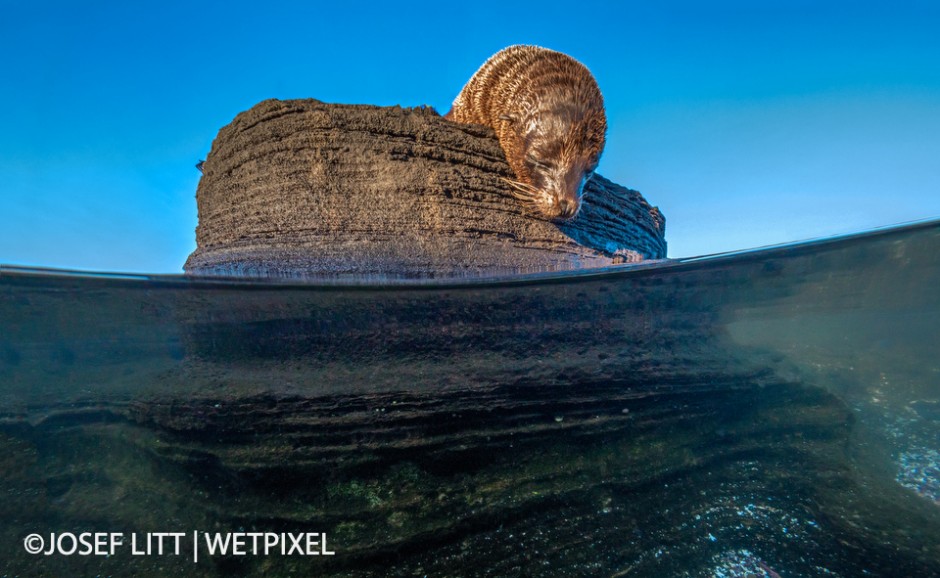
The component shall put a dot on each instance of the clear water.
(768, 413)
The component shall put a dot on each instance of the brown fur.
(548, 114)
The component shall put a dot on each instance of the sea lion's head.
(560, 146)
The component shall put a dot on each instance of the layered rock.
(301, 188)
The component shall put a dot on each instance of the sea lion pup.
(548, 114)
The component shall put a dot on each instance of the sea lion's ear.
(507, 118)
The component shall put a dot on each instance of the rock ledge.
(301, 188)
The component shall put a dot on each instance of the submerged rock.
(302, 188)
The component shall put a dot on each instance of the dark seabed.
(768, 413)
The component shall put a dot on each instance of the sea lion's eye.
(532, 159)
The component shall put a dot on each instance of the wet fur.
(548, 114)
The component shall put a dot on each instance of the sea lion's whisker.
(522, 195)
(521, 190)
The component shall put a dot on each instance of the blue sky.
(747, 123)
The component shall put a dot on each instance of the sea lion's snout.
(562, 190)
(567, 202)
(568, 209)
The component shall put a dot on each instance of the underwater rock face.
(301, 188)
(772, 413)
